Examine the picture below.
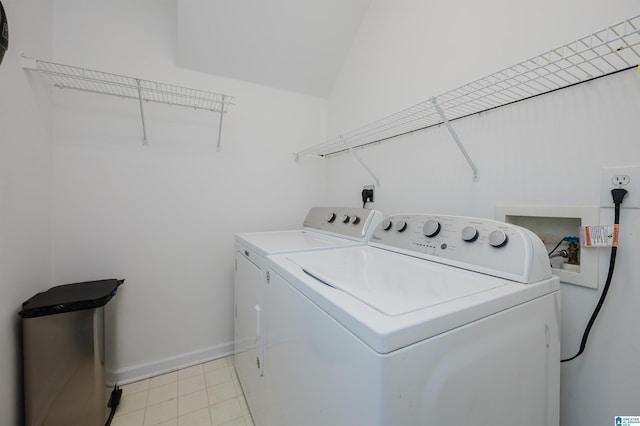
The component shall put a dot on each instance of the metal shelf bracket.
(362, 163)
(454, 135)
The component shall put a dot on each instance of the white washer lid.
(390, 283)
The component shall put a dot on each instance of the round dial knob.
(498, 238)
(431, 228)
(331, 217)
(469, 234)
(401, 226)
(355, 220)
(386, 225)
(345, 219)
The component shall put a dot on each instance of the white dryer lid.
(271, 242)
(391, 283)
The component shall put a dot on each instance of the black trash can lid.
(71, 297)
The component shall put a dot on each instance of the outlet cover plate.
(630, 174)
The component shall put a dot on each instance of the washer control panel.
(482, 245)
(347, 222)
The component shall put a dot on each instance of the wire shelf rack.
(87, 80)
(607, 51)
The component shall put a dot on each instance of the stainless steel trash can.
(63, 354)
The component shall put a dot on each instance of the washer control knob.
(345, 219)
(469, 234)
(431, 228)
(386, 225)
(355, 220)
(331, 217)
(498, 238)
(401, 226)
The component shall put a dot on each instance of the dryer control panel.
(482, 245)
(346, 222)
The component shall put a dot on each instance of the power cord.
(114, 401)
(367, 196)
(618, 195)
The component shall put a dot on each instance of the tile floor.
(207, 394)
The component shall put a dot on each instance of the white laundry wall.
(163, 216)
(546, 151)
(25, 191)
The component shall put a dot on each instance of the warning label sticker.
(599, 236)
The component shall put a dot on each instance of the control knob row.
(432, 227)
(401, 226)
(331, 217)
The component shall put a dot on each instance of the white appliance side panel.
(248, 331)
(317, 372)
(502, 370)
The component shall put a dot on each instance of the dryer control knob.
(431, 228)
(355, 220)
(331, 217)
(345, 219)
(401, 226)
(386, 225)
(498, 238)
(469, 234)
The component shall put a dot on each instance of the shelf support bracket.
(220, 124)
(357, 157)
(144, 127)
(454, 135)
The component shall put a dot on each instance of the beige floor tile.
(191, 384)
(192, 402)
(132, 402)
(203, 395)
(165, 411)
(235, 422)
(197, 418)
(135, 387)
(216, 377)
(221, 392)
(196, 370)
(163, 379)
(170, 422)
(243, 403)
(225, 411)
(215, 364)
(135, 418)
(163, 393)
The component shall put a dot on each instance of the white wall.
(163, 216)
(546, 151)
(25, 166)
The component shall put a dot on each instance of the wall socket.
(621, 177)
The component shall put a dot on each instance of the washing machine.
(323, 228)
(438, 320)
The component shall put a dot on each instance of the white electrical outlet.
(621, 177)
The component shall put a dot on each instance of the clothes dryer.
(323, 228)
(438, 320)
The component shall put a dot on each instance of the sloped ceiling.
(296, 45)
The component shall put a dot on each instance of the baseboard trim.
(125, 375)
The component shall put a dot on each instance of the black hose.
(617, 199)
